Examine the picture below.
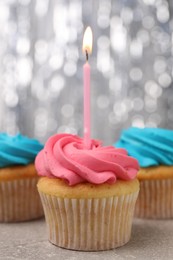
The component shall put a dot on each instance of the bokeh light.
(41, 63)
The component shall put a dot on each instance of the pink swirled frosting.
(64, 157)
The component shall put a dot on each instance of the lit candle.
(87, 49)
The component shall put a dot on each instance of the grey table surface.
(150, 240)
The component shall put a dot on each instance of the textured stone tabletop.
(151, 240)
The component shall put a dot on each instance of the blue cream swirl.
(19, 149)
(150, 146)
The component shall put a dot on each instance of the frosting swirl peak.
(17, 149)
(64, 157)
(150, 146)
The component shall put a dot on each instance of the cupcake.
(153, 148)
(88, 196)
(19, 198)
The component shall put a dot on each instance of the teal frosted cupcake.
(153, 148)
(19, 199)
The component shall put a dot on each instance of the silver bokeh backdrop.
(41, 63)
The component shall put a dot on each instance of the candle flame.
(87, 41)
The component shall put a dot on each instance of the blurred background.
(41, 60)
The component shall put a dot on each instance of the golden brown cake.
(19, 198)
(101, 213)
(156, 193)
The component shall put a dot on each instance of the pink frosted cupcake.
(88, 196)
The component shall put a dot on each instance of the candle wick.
(86, 55)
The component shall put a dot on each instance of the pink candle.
(87, 130)
(87, 48)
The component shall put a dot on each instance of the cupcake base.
(19, 198)
(89, 224)
(155, 199)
